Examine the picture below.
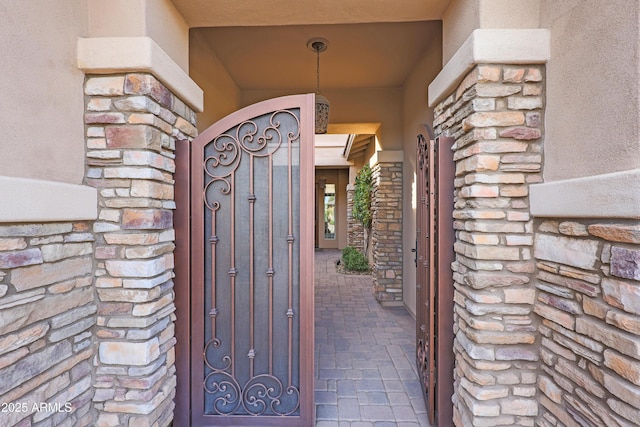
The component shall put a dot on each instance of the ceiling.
(263, 44)
(365, 55)
(372, 43)
(218, 13)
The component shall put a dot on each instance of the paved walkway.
(365, 365)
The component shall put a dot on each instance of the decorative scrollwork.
(224, 152)
(282, 409)
(215, 343)
(224, 188)
(422, 150)
(422, 359)
(265, 392)
(262, 395)
(225, 390)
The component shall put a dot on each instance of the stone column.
(495, 115)
(355, 230)
(132, 124)
(386, 231)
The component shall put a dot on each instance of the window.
(330, 211)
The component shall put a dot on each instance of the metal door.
(434, 279)
(251, 268)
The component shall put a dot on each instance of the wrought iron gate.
(434, 280)
(251, 268)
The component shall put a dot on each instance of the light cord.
(318, 71)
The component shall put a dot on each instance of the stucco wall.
(416, 113)
(592, 93)
(41, 105)
(167, 27)
(509, 13)
(460, 19)
(464, 16)
(157, 19)
(106, 21)
(222, 95)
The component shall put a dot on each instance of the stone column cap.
(109, 55)
(612, 195)
(387, 156)
(36, 200)
(491, 46)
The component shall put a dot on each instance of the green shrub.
(362, 196)
(354, 260)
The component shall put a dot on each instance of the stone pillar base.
(133, 122)
(495, 115)
(386, 230)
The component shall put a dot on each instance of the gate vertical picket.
(434, 281)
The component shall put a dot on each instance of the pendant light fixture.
(322, 104)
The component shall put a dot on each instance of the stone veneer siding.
(588, 297)
(355, 230)
(386, 232)
(132, 124)
(47, 311)
(495, 115)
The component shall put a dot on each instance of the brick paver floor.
(365, 371)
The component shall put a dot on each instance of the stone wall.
(495, 115)
(386, 232)
(47, 312)
(355, 230)
(132, 124)
(588, 297)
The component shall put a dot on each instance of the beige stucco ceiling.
(262, 43)
(358, 56)
(216, 13)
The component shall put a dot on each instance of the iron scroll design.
(262, 394)
(260, 389)
(230, 146)
(423, 149)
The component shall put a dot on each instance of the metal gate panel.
(425, 314)
(434, 280)
(252, 267)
